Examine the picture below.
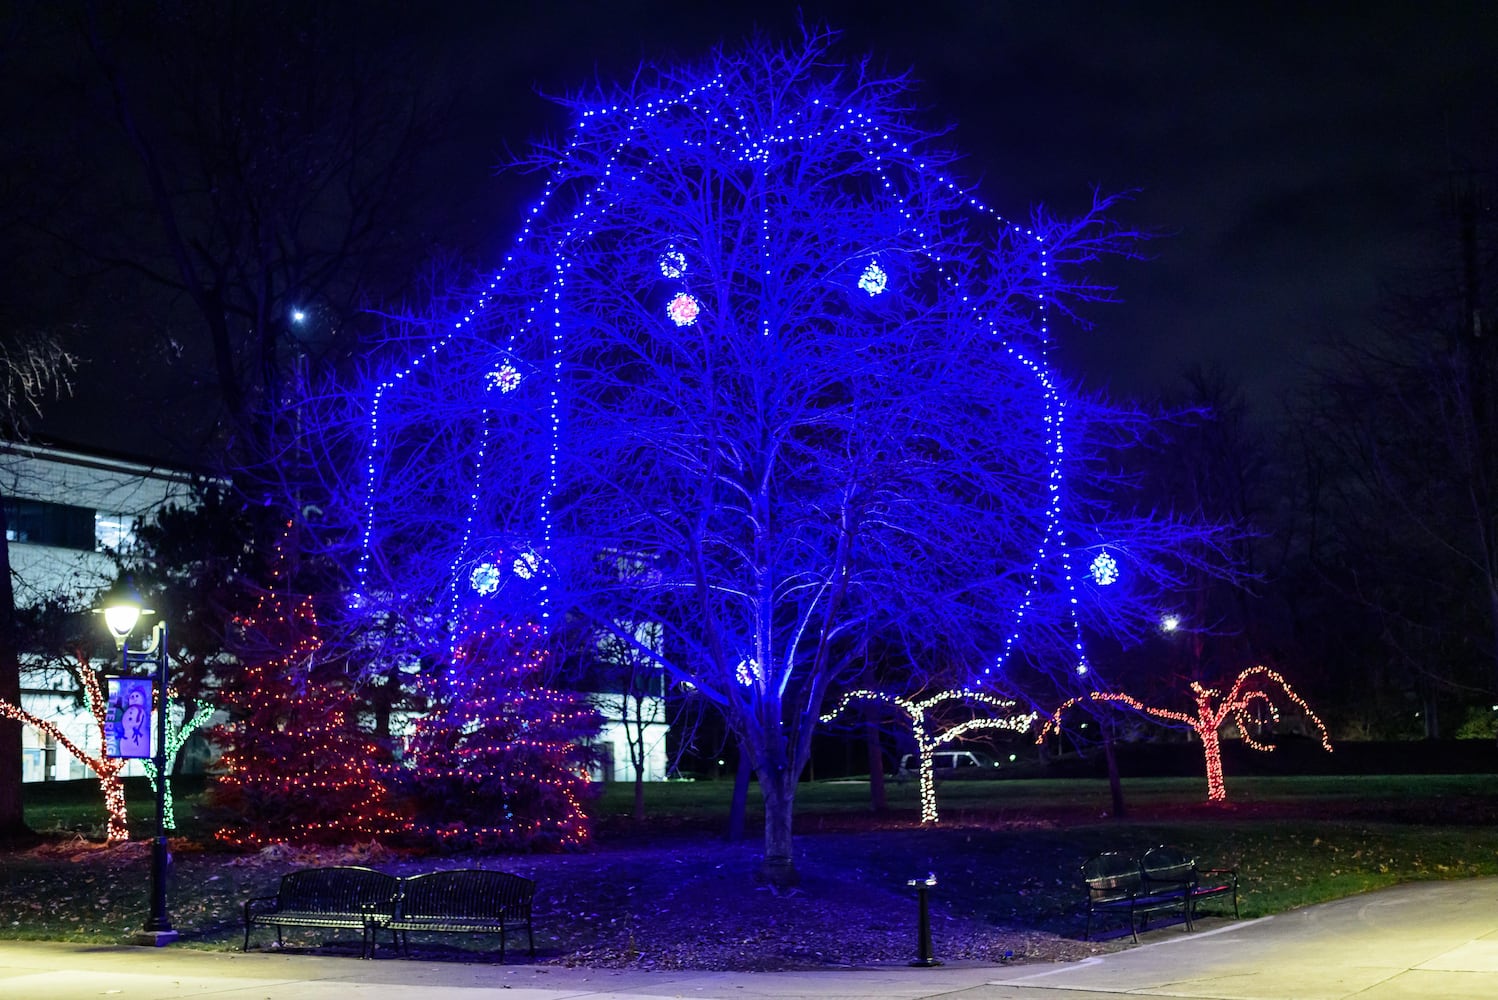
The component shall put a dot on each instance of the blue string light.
(615, 169)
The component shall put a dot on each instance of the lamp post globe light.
(123, 609)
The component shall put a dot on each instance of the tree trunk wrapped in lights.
(1253, 687)
(928, 741)
(176, 736)
(107, 769)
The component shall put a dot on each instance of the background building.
(67, 512)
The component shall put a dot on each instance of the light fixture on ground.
(123, 609)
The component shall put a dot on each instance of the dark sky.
(1292, 156)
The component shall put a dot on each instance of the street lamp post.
(122, 611)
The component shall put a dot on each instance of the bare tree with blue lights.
(760, 368)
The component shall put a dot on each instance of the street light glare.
(298, 316)
(1169, 623)
(121, 619)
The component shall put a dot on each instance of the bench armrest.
(250, 905)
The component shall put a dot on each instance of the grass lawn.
(669, 892)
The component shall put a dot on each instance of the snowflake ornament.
(683, 310)
(673, 263)
(526, 565)
(1104, 570)
(485, 578)
(873, 280)
(747, 672)
(505, 378)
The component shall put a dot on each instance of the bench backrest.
(1168, 864)
(467, 892)
(1111, 876)
(340, 889)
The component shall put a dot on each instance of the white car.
(952, 763)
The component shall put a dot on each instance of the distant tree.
(1401, 428)
(269, 201)
(636, 678)
(758, 368)
(199, 561)
(33, 369)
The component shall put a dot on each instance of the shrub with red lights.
(498, 762)
(297, 767)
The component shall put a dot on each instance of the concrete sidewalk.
(1426, 940)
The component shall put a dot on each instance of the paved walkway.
(1436, 940)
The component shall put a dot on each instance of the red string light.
(106, 769)
(1248, 690)
(497, 760)
(297, 768)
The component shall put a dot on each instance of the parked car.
(952, 764)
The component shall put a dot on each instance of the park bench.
(1166, 867)
(464, 901)
(1165, 881)
(344, 897)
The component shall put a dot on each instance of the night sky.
(1292, 157)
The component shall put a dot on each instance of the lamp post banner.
(128, 728)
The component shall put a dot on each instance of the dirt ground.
(681, 900)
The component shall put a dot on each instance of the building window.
(113, 532)
(60, 525)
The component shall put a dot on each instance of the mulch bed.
(685, 900)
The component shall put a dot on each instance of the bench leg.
(530, 936)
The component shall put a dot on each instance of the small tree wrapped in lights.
(107, 769)
(927, 740)
(1253, 688)
(499, 760)
(176, 736)
(298, 769)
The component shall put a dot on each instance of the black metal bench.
(1165, 868)
(1166, 880)
(1115, 886)
(343, 897)
(464, 901)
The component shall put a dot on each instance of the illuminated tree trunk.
(1115, 782)
(1208, 725)
(740, 800)
(926, 776)
(779, 786)
(176, 736)
(878, 802)
(106, 769)
(1212, 749)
